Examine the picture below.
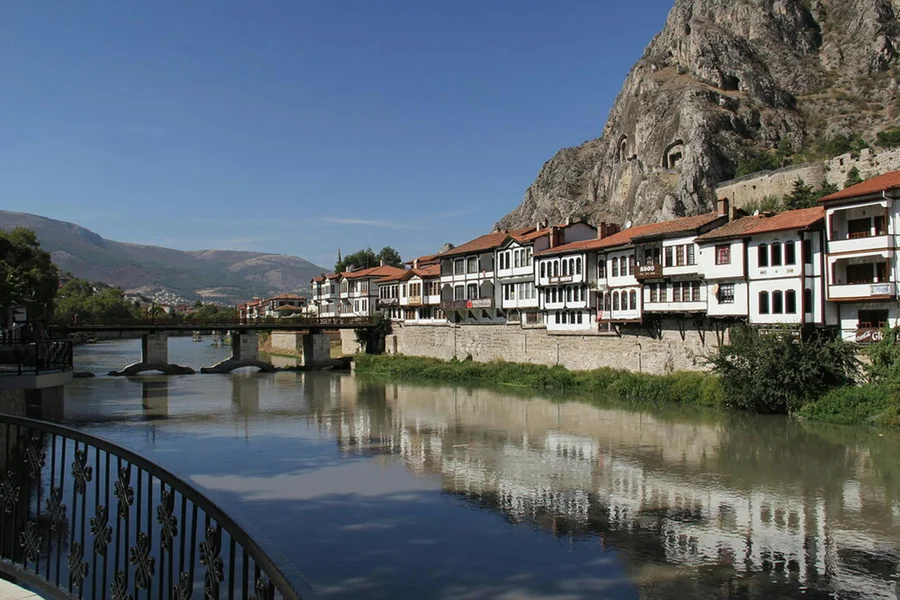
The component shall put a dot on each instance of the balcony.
(388, 301)
(414, 301)
(468, 304)
(862, 291)
(643, 272)
(875, 243)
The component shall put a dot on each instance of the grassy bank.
(870, 404)
(697, 389)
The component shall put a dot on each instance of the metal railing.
(85, 518)
(36, 357)
(220, 323)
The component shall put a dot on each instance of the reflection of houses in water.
(577, 468)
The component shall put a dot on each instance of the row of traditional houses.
(830, 265)
(283, 305)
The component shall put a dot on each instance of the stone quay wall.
(680, 347)
(753, 188)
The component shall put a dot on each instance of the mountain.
(226, 276)
(724, 81)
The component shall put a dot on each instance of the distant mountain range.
(227, 276)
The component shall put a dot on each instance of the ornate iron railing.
(85, 518)
(36, 357)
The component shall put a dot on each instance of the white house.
(325, 294)
(784, 269)
(723, 263)
(413, 296)
(863, 230)
(668, 259)
(358, 291)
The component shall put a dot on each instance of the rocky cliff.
(723, 80)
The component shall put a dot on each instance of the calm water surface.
(377, 489)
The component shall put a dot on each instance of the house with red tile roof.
(412, 297)
(359, 292)
(862, 227)
(325, 295)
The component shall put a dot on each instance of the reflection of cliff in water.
(738, 502)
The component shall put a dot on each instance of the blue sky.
(297, 127)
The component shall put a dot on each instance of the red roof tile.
(288, 296)
(882, 183)
(801, 218)
(382, 271)
(734, 229)
(319, 279)
(627, 236)
(486, 242)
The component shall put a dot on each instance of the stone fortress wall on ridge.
(754, 188)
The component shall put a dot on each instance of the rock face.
(724, 79)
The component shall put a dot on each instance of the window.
(676, 292)
(557, 318)
(726, 293)
(807, 301)
(807, 252)
(691, 256)
(663, 293)
(764, 303)
(859, 228)
(546, 296)
(668, 251)
(472, 291)
(775, 254)
(579, 318)
(654, 293)
(606, 302)
(631, 264)
(459, 267)
(679, 256)
(517, 260)
(571, 266)
(578, 265)
(568, 294)
(723, 254)
(564, 318)
(762, 258)
(790, 253)
(695, 291)
(543, 270)
(615, 267)
(553, 295)
(777, 303)
(878, 225)
(633, 296)
(565, 268)
(528, 252)
(601, 267)
(459, 292)
(615, 300)
(790, 302)
(555, 268)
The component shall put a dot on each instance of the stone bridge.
(244, 340)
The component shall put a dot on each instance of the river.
(380, 489)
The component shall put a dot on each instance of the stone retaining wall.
(633, 350)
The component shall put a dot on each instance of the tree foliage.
(853, 177)
(773, 372)
(27, 275)
(842, 144)
(889, 138)
(364, 259)
(756, 161)
(80, 300)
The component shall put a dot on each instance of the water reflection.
(382, 490)
(748, 495)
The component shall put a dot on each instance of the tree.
(83, 301)
(28, 277)
(801, 196)
(364, 259)
(774, 372)
(853, 177)
(889, 138)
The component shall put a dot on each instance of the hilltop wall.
(681, 347)
(753, 188)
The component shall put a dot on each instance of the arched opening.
(730, 83)
(673, 155)
(622, 149)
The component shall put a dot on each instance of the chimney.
(568, 220)
(606, 229)
(554, 236)
(722, 206)
(537, 226)
(381, 263)
(415, 263)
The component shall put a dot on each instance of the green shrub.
(775, 373)
(756, 161)
(864, 405)
(853, 178)
(889, 138)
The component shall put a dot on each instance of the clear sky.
(296, 127)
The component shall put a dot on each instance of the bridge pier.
(244, 353)
(316, 350)
(154, 357)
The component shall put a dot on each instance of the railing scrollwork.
(85, 518)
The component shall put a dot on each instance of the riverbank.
(687, 388)
(866, 405)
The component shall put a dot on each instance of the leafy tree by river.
(84, 301)
(27, 275)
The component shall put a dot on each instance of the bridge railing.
(224, 324)
(34, 358)
(85, 518)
